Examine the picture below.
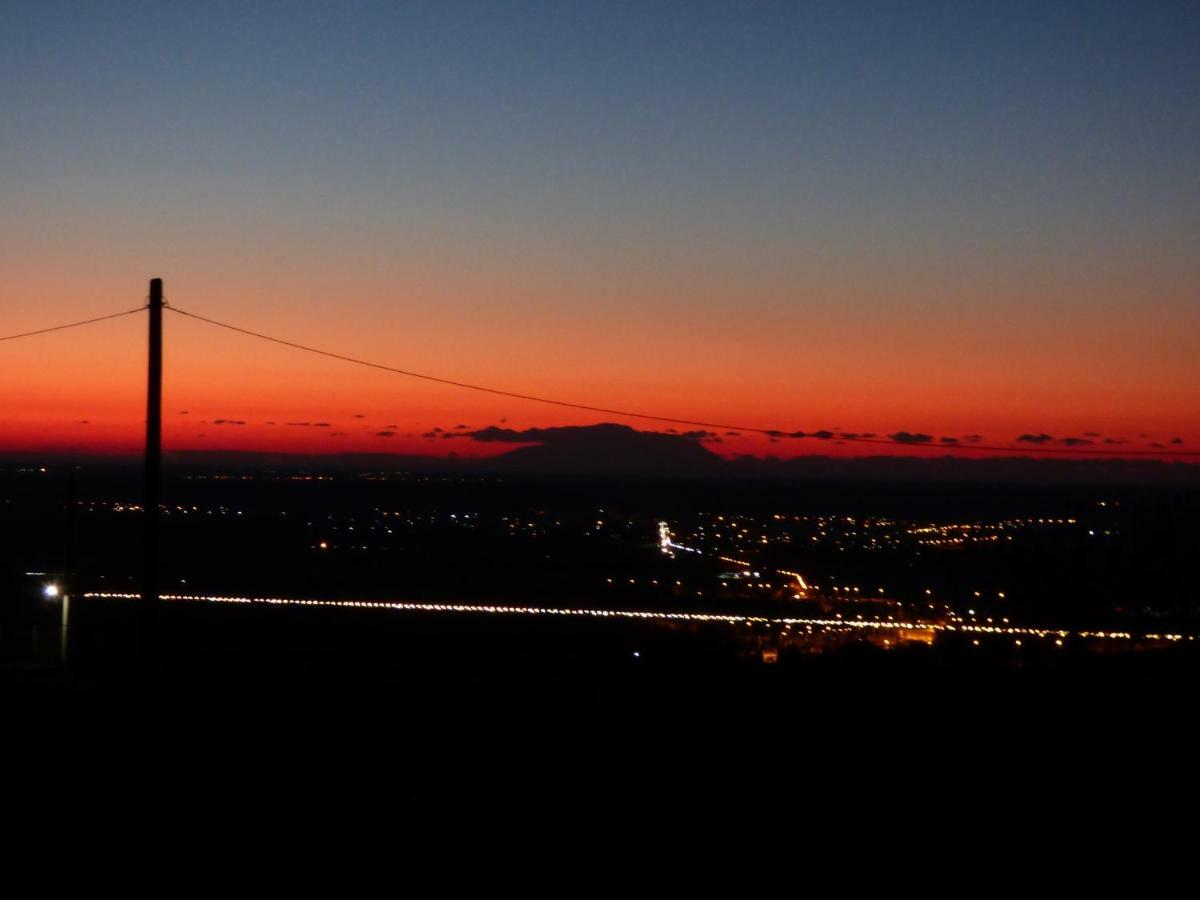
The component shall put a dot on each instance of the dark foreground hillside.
(396, 686)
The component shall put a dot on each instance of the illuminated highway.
(837, 623)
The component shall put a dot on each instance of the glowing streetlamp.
(50, 591)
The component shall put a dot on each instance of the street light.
(50, 591)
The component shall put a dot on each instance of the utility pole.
(67, 584)
(153, 484)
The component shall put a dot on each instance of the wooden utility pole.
(66, 585)
(153, 482)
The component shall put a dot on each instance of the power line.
(463, 384)
(624, 413)
(128, 312)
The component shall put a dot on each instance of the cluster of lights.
(846, 591)
(866, 534)
(118, 506)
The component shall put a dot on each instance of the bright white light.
(50, 590)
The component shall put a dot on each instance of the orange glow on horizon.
(83, 390)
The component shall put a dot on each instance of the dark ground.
(399, 685)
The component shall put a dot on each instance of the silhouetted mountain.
(605, 450)
(612, 451)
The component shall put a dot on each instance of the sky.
(950, 219)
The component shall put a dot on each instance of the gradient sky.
(955, 218)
